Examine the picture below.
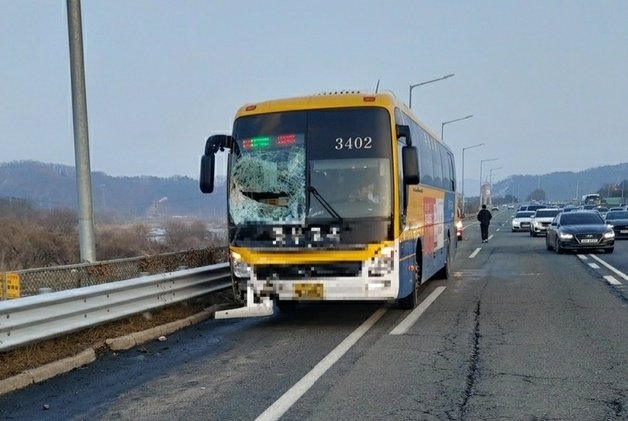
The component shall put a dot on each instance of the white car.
(521, 221)
(541, 219)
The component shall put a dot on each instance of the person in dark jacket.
(484, 216)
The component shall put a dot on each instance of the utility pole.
(81, 140)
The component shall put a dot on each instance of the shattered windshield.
(347, 152)
(268, 179)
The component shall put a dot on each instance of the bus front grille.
(299, 272)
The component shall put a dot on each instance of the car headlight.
(565, 236)
(240, 268)
(609, 234)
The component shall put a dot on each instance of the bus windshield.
(354, 188)
(297, 167)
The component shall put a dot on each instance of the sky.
(546, 81)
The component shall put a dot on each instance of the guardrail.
(27, 282)
(40, 317)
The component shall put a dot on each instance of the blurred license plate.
(589, 240)
(623, 231)
(308, 290)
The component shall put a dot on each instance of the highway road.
(519, 332)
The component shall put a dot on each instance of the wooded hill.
(51, 186)
(564, 185)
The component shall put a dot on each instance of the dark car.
(579, 230)
(535, 207)
(570, 208)
(619, 221)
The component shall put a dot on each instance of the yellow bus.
(339, 196)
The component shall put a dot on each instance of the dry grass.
(31, 356)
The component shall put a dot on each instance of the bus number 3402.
(354, 143)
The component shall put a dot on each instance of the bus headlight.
(240, 268)
(381, 264)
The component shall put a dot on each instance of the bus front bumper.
(260, 294)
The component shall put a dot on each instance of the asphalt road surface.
(519, 332)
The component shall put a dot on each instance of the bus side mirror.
(214, 144)
(207, 173)
(410, 165)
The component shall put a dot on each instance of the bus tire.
(412, 300)
(239, 294)
(445, 272)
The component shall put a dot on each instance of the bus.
(339, 196)
(591, 199)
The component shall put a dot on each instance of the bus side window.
(437, 164)
(427, 164)
(452, 165)
(447, 178)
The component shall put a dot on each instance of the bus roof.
(323, 100)
(337, 99)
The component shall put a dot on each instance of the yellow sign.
(10, 285)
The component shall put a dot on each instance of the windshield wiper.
(324, 203)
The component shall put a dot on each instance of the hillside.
(50, 186)
(562, 185)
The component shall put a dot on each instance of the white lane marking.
(498, 229)
(611, 280)
(582, 257)
(281, 405)
(411, 319)
(617, 271)
(490, 237)
(475, 253)
(594, 266)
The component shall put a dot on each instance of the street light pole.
(490, 183)
(442, 126)
(481, 164)
(490, 174)
(87, 241)
(425, 83)
(464, 149)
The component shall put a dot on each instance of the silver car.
(541, 219)
(521, 221)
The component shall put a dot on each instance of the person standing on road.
(484, 216)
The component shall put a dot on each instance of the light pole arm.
(442, 126)
(425, 83)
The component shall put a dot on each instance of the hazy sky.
(546, 81)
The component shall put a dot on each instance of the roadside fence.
(24, 283)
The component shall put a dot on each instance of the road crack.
(473, 370)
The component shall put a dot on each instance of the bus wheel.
(445, 272)
(238, 293)
(412, 300)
